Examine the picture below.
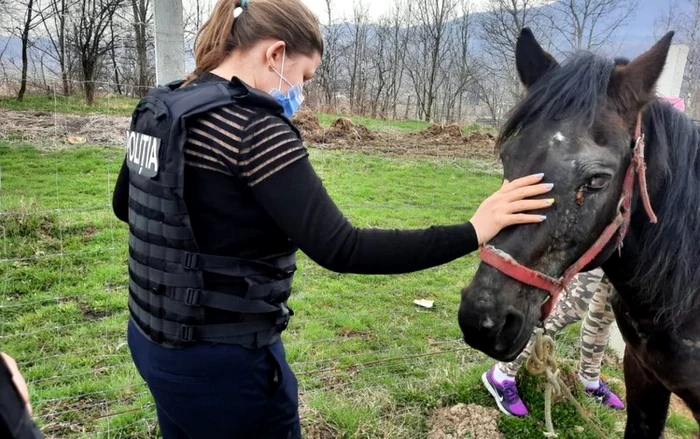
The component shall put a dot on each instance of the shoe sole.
(494, 393)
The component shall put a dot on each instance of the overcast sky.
(343, 8)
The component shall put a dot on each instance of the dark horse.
(579, 123)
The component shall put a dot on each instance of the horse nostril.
(511, 330)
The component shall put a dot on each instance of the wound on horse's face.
(579, 197)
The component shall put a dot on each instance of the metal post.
(170, 41)
(671, 80)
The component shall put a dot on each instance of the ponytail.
(230, 28)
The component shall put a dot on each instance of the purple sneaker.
(604, 395)
(505, 394)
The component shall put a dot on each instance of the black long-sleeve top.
(251, 192)
(15, 422)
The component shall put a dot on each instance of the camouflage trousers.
(588, 295)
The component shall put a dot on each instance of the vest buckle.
(193, 296)
(191, 261)
(285, 323)
(187, 333)
(285, 317)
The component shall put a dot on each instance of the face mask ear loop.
(284, 55)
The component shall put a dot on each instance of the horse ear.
(632, 86)
(530, 59)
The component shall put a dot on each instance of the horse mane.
(666, 275)
(574, 90)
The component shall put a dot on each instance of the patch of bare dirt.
(480, 144)
(67, 417)
(352, 333)
(92, 314)
(308, 124)
(438, 133)
(344, 129)
(48, 130)
(470, 420)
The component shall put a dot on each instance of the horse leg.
(647, 401)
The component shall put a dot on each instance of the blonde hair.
(290, 21)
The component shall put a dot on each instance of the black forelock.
(574, 90)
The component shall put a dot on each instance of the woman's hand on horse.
(17, 379)
(506, 206)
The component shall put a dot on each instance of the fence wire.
(63, 273)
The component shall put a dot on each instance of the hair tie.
(239, 10)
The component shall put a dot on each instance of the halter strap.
(507, 265)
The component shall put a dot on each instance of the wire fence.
(63, 274)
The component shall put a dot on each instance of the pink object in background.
(676, 102)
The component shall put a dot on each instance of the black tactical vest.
(167, 299)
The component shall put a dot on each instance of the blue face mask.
(295, 95)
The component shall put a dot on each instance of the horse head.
(579, 123)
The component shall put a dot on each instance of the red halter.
(505, 263)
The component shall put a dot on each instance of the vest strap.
(168, 207)
(211, 332)
(153, 227)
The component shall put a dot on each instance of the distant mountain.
(10, 48)
(629, 40)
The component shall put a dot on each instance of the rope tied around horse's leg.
(542, 360)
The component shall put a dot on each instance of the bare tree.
(141, 20)
(399, 19)
(462, 73)
(360, 32)
(26, 28)
(587, 24)
(114, 41)
(669, 20)
(329, 71)
(501, 26)
(90, 23)
(493, 91)
(54, 19)
(30, 20)
(429, 50)
(195, 13)
(499, 30)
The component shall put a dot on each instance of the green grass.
(63, 305)
(112, 104)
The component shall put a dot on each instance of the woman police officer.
(219, 194)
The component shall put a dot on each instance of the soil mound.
(442, 133)
(344, 129)
(481, 143)
(307, 122)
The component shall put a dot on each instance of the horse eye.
(596, 183)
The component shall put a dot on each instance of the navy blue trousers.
(209, 391)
